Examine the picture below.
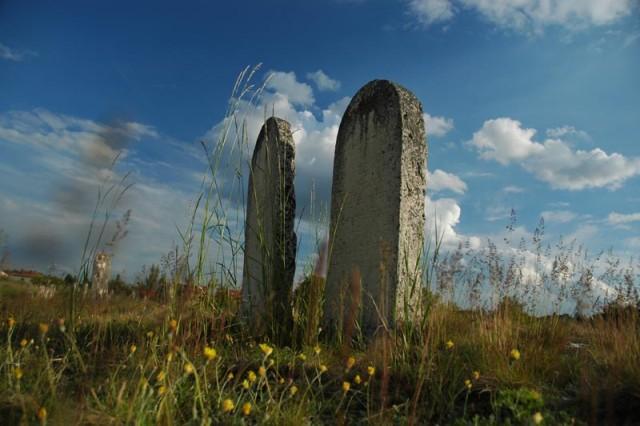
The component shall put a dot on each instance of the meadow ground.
(134, 361)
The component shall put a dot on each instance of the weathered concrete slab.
(270, 240)
(101, 274)
(377, 209)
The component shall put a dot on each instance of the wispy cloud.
(15, 55)
(616, 218)
(525, 15)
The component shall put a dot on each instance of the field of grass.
(132, 361)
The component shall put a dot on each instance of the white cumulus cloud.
(437, 126)
(323, 81)
(441, 181)
(506, 141)
(286, 84)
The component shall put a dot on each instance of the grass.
(472, 353)
(133, 362)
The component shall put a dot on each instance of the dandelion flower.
(162, 390)
(537, 418)
(371, 370)
(357, 379)
(350, 362)
(323, 368)
(450, 344)
(18, 373)
(188, 368)
(515, 354)
(317, 350)
(209, 353)
(467, 384)
(266, 349)
(302, 357)
(476, 375)
(42, 414)
(227, 405)
(245, 384)
(23, 343)
(262, 371)
(251, 376)
(43, 327)
(133, 349)
(246, 408)
(346, 386)
(161, 376)
(293, 390)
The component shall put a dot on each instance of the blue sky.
(530, 104)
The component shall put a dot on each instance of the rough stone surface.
(377, 210)
(101, 274)
(270, 240)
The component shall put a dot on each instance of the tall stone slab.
(101, 274)
(270, 240)
(377, 211)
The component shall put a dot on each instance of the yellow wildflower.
(537, 418)
(149, 334)
(476, 375)
(350, 362)
(266, 349)
(209, 353)
(323, 368)
(281, 381)
(44, 328)
(161, 376)
(302, 357)
(515, 354)
(251, 376)
(227, 405)
(18, 373)
(293, 390)
(230, 376)
(371, 370)
(23, 343)
(317, 350)
(245, 384)
(467, 383)
(162, 390)
(246, 408)
(133, 348)
(11, 322)
(262, 371)
(346, 386)
(173, 324)
(357, 379)
(449, 344)
(188, 368)
(42, 414)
